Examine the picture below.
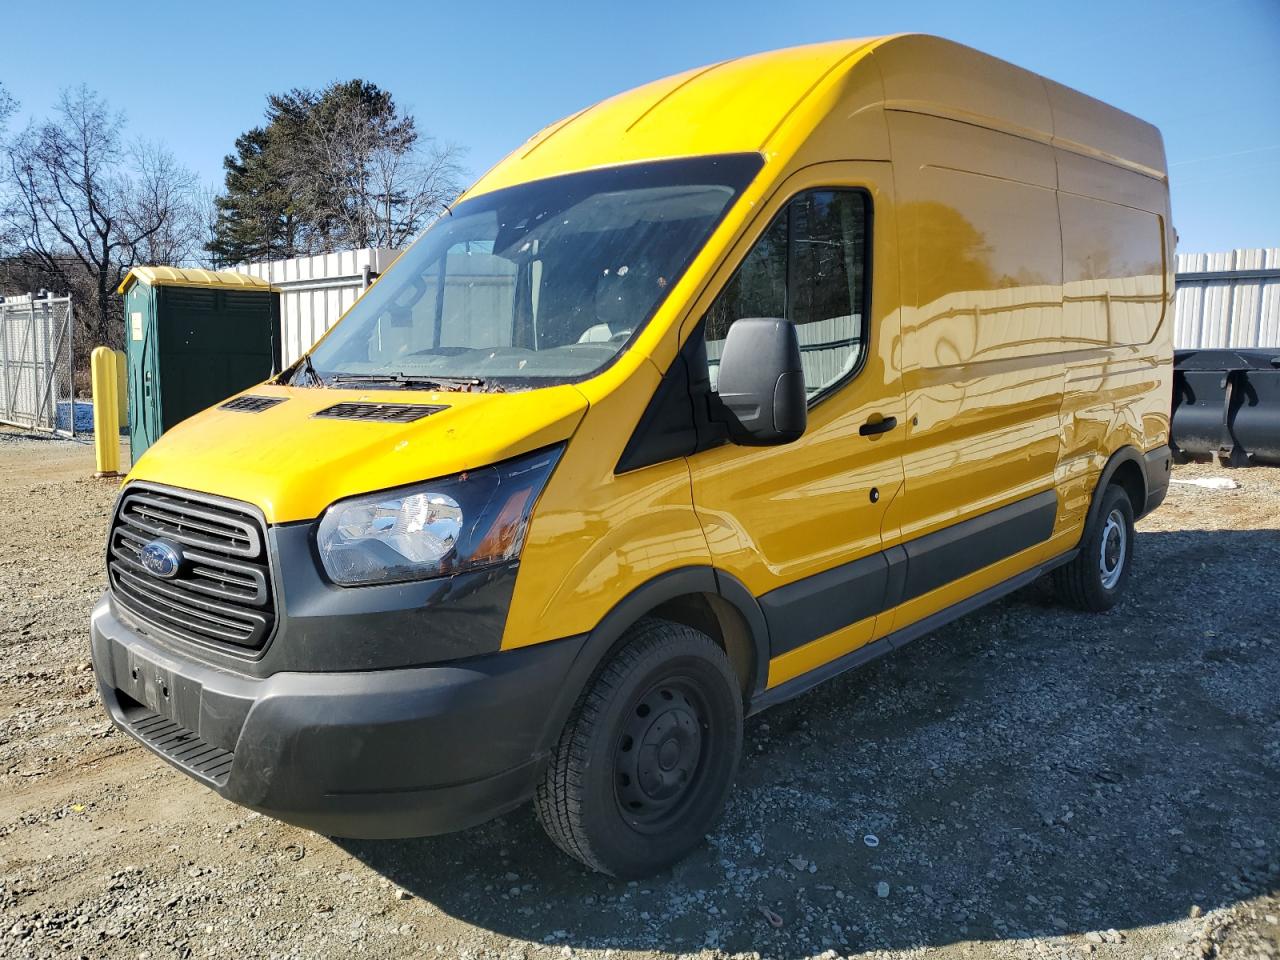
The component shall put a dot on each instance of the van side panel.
(1118, 294)
(983, 366)
(1113, 265)
(1118, 264)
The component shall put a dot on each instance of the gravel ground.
(1027, 782)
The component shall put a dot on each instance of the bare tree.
(204, 199)
(161, 213)
(8, 106)
(359, 170)
(84, 209)
(409, 187)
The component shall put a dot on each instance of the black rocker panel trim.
(900, 638)
(968, 546)
(818, 605)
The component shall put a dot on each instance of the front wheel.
(1096, 578)
(645, 763)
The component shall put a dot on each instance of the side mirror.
(761, 383)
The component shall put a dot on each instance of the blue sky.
(487, 75)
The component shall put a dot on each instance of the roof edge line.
(814, 86)
(693, 75)
(931, 108)
(555, 128)
(1093, 153)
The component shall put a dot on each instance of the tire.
(644, 765)
(1095, 580)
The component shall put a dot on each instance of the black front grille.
(252, 404)
(222, 591)
(389, 412)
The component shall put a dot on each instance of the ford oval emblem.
(162, 559)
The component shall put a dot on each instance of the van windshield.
(539, 283)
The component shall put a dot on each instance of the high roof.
(770, 102)
(192, 277)
(727, 107)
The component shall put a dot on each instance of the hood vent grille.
(251, 404)
(384, 412)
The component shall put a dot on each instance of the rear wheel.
(1097, 576)
(645, 763)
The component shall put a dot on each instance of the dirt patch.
(1025, 782)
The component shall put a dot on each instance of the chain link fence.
(37, 369)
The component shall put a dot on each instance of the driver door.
(800, 524)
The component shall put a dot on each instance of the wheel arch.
(1124, 468)
(702, 597)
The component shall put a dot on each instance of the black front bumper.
(374, 754)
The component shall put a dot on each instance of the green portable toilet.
(193, 338)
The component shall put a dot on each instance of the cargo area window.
(808, 267)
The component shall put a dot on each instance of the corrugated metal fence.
(1229, 299)
(316, 291)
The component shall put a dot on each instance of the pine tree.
(332, 169)
(256, 215)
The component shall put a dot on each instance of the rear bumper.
(385, 753)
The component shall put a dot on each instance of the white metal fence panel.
(1229, 299)
(827, 350)
(36, 366)
(316, 291)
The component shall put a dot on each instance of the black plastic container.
(1226, 404)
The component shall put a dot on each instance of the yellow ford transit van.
(704, 395)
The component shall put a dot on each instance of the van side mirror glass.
(761, 383)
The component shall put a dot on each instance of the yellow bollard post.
(106, 416)
(122, 387)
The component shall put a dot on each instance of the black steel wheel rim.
(661, 752)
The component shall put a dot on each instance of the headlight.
(434, 529)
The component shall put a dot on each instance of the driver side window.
(808, 267)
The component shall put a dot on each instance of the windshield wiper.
(310, 369)
(410, 380)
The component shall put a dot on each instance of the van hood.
(292, 464)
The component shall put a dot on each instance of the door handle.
(871, 429)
